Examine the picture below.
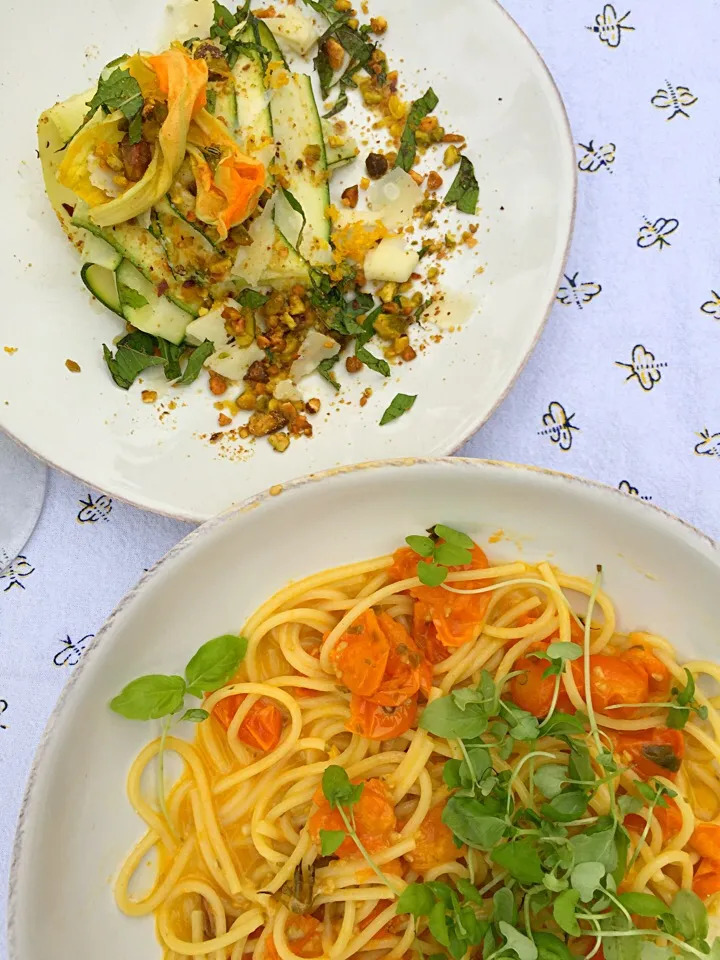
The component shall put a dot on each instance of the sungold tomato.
(361, 654)
(705, 840)
(304, 936)
(374, 814)
(655, 753)
(657, 673)
(261, 728)
(376, 722)
(425, 634)
(612, 682)
(706, 881)
(533, 692)
(434, 843)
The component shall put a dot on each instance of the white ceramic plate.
(76, 824)
(492, 85)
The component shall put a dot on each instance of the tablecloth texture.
(623, 386)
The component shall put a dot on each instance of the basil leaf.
(337, 789)
(194, 716)
(416, 899)
(455, 537)
(170, 352)
(252, 298)
(521, 859)
(444, 718)
(297, 207)
(452, 556)
(643, 904)
(418, 110)
(399, 405)
(431, 574)
(549, 779)
(330, 840)
(325, 369)
(522, 945)
(465, 817)
(215, 662)
(128, 363)
(195, 362)
(150, 697)
(564, 912)
(551, 947)
(464, 190)
(119, 91)
(421, 545)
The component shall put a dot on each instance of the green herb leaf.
(252, 298)
(150, 697)
(627, 804)
(452, 556)
(566, 806)
(564, 651)
(551, 947)
(196, 361)
(504, 906)
(431, 574)
(523, 725)
(550, 778)
(522, 945)
(128, 362)
(194, 716)
(324, 71)
(129, 297)
(325, 369)
(416, 899)
(119, 91)
(330, 840)
(399, 405)
(418, 110)
(521, 859)
(620, 948)
(297, 207)
(170, 352)
(420, 545)
(596, 845)
(691, 915)
(464, 190)
(469, 891)
(371, 361)
(454, 537)
(338, 106)
(564, 724)
(643, 904)
(215, 662)
(586, 877)
(467, 820)
(337, 789)
(445, 718)
(564, 912)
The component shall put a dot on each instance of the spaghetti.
(387, 739)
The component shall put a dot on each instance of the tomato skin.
(612, 682)
(706, 881)
(361, 654)
(633, 748)
(261, 728)
(455, 617)
(434, 842)
(657, 673)
(376, 722)
(533, 692)
(304, 936)
(375, 820)
(705, 840)
(425, 634)
(390, 927)
(669, 818)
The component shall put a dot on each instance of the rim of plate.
(710, 547)
(569, 144)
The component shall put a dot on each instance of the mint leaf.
(252, 299)
(464, 190)
(128, 362)
(196, 361)
(418, 110)
(119, 91)
(399, 405)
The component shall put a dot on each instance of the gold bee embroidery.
(643, 367)
(609, 27)
(676, 97)
(656, 233)
(558, 426)
(577, 293)
(596, 158)
(626, 487)
(70, 652)
(712, 307)
(709, 445)
(93, 510)
(15, 572)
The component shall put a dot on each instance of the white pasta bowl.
(76, 824)
(492, 86)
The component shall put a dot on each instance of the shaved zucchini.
(101, 283)
(97, 251)
(339, 147)
(224, 106)
(144, 309)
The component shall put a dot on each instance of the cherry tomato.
(533, 692)
(376, 722)
(454, 616)
(705, 840)
(655, 753)
(425, 634)
(390, 927)
(706, 881)
(612, 681)
(669, 818)
(403, 670)
(361, 654)
(304, 936)
(434, 842)
(657, 673)
(260, 729)
(374, 820)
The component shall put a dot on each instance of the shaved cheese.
(233, 362)
(286, 390)
(211, 326)
(102, 178)
(315, 348)
(391, 260)
(393, 198)
(251, 262)
(293, 29)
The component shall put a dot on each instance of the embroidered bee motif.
(577, 293)
(3, 709)
(558, 426)
(70, 652)
(93, 510)
(15, 572)
(709, 445)
(712, 307)
(643, 367)
(596, 158)
(626, 487)
(676, 97)
(656, 233)
(609, 27)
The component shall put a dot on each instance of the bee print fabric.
(623, 387)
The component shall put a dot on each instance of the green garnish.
(399, 405)
(252, 298)
(120, 91)
(454, 551)
(134, 354)
(325, 369)
(418, 110)
(197, 359)
(297, 207)
(362, 353)
(464, 190)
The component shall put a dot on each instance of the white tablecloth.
(623, 386)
